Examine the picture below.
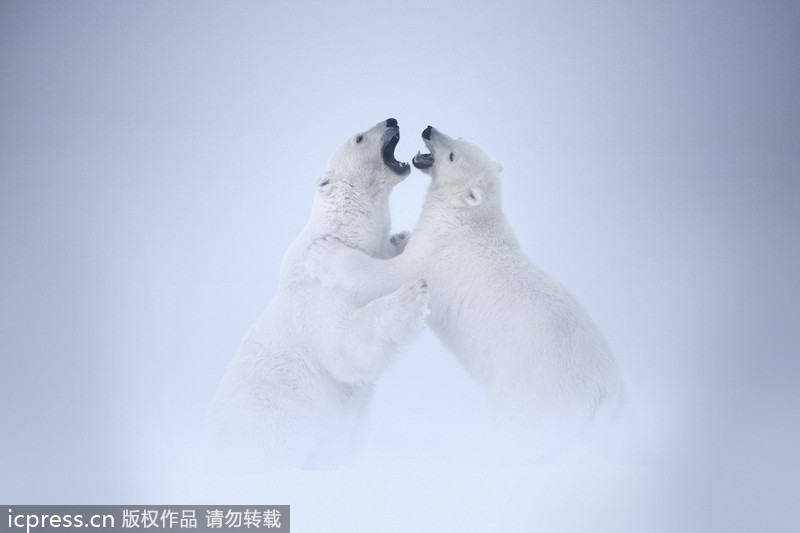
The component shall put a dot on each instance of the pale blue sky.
(157, 158)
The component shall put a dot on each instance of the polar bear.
(549, 374)
(297, 390)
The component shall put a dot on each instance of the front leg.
(339, 266)
(367, 338)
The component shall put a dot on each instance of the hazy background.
(157, 159)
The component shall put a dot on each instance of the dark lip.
(423, 161)
(387, 151)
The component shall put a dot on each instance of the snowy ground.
(157, 159)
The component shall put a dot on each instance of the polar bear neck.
(362, 223)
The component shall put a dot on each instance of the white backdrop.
(157, 158)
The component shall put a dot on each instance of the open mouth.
(388, 156)
(422, 161)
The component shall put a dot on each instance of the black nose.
(391, 123)
(426, 134)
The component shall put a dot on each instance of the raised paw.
(418, 297)
(399, 241)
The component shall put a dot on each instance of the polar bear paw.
(415, 297)
(398, 242)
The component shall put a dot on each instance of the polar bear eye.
(359, 139)
(452, 156)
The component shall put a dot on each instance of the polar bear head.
(352, 196)
(459, 168)
(365, 164)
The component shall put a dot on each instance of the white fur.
(547, 369)
(297, 390)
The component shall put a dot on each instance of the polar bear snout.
(433, 136)
(425, 161)
(391, 123)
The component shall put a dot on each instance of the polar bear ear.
(474, 196)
